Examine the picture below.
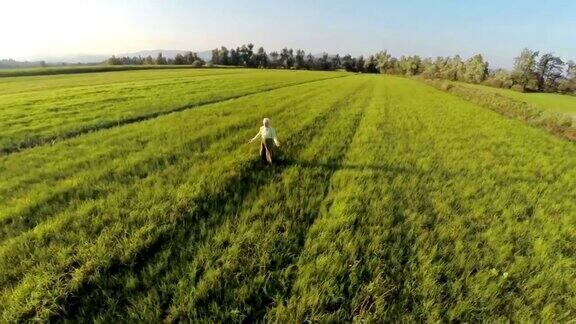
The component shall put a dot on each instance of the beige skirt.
(267, 150)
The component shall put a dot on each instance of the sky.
(37, 29)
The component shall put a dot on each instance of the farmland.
(133, 196)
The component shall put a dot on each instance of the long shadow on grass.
(212, 212)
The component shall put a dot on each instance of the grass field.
(391, 201)
(564, 104)
(37, 110)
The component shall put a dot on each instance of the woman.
(268, 136)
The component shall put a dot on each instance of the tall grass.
(391, 201)
(157, 203)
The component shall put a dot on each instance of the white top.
(266, 132)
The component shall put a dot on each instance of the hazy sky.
(33, 29)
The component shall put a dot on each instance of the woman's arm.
(256, 137)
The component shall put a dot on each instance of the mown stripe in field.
(135, 119)
(335, 263)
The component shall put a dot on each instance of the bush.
(518, 88)
(445, 86)
(508, 84)
(197, 63)
(496, 83)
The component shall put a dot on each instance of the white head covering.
(266, 121)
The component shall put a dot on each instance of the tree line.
(289, 58)
(188, 58)
(531, 72)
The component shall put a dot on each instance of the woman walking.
(268, 141)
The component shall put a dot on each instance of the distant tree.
(384, 62)
(223, 56)
(371, 65)
(287, 58)
(274, 61)
(246, 56)
(149, 60)
(249, 55)
(549, 72)
(179, 59)
(456, 68)
(299, 62)
(291, 60)
(410, 65)
(190, 57)
(113, 60)
(310, 62)
(451, 68)
(215, 56)
(571, 70)
(324, 62)
(431, 69)
(160, 60)
(234, 57)
(475, 70)
(359, 64)
(524, 72)
(335, 62)
(347, 63)
(261, 58)
(571, 77)
(567, 82)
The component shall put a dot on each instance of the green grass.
(59, 107)
(391, 201)
(553, 102)
(86, 69)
